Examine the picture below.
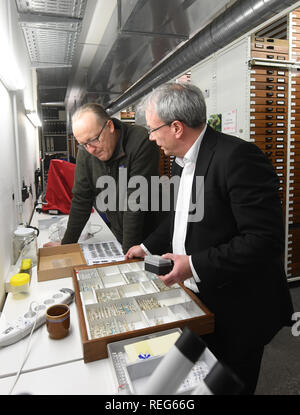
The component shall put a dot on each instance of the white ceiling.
(87, 50)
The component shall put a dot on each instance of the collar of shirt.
(192, 154)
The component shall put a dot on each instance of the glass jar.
(25, 244)
(19, 284)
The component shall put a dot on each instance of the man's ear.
(178, 128)
(111, 126)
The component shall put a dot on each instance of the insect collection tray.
(121, 300)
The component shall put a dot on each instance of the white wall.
(225, 77)
(10, 214)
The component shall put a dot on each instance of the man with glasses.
(110, 148)
(231, 257)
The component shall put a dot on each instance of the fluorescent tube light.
(33, 118)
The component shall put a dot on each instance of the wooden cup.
(58, 321)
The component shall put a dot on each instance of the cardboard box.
(58, 261)
(107, 297)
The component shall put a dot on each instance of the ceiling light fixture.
(33, 118)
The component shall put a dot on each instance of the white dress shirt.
(182, 206)
(188, 162)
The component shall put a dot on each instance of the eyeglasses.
(152, 130)
(93, 141)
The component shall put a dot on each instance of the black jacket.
(141, 158)
(237, 247)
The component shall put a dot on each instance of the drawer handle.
(270, 79)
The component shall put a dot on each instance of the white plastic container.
(19, 284)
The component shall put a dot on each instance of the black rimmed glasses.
(93, 142)
(152, 130)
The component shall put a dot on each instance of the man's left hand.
(180, 272)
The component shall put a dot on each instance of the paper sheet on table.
(155, 347)
(102, 252)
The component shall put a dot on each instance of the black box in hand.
(158, 265)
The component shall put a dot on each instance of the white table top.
(74, 378)
(51, 362)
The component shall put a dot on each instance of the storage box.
(121, 300)
(137, 374)
(58, 261)
(131, 373)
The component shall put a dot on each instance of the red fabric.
(59, 186)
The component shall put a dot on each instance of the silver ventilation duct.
(237, 20)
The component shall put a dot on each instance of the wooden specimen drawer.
(295, 73)
(295, 110)
(295, 19)
(295, 36)
(294, 188)
(268, 101)
(294, 251)
(265, 70)
(294, 196)
(295, 144)
(294, 258)
(279, 56)
(293, 270)
(294, 216)
(269, 41)
(268, 94)
(267, 124)
(295, 104)
(295, 14)
(294, 234)
(269, 48)
(263, 108)
(121, 300)
(295, 81)
(291, 275)
(269, 78)
(267, 131)
(269, 139)
(276, 160)
(294, 202)
(268, 86)
(260, 116)
(296, 44)
(295, 158)
(293, 248)
(295, 124)
(295, 96)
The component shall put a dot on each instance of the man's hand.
(51, 244)
(135, 252)
(180, 272)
